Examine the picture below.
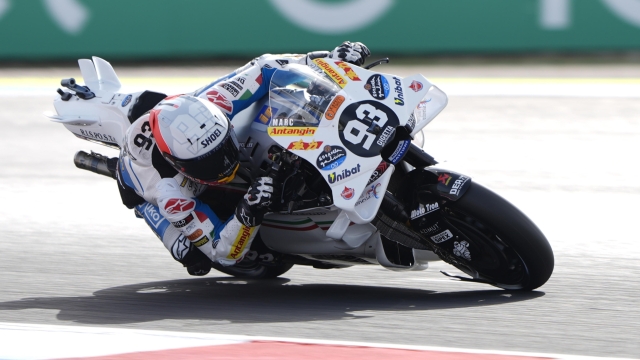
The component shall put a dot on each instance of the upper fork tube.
(417, 158)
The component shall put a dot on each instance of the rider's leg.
(182, 250)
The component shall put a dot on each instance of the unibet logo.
(399, 100)
(333, 177)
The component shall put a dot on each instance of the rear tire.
(517, 256)
(254, 271)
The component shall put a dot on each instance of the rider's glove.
(255, 203)
(354, 53)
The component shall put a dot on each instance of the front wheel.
(483, 235)
(510, 251)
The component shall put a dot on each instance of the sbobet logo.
(333, 177)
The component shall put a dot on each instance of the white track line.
(32, 341)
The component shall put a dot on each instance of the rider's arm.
(236, 91)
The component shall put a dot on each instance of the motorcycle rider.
(186, 143)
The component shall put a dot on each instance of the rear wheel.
(254, 271)
(259, 263)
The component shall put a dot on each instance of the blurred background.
(46, 30)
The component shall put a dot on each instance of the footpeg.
(96, 163)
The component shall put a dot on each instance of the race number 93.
(359, 117)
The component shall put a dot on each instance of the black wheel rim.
(492, 259)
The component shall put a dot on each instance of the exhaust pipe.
(96, 163)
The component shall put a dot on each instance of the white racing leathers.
(172, 209)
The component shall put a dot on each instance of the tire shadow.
(253, 301)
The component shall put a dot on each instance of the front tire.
(510, 251)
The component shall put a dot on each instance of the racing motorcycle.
(345, 143)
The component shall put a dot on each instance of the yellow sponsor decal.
(291, 131)
(241, 242)
(201, 241)
(333, 74)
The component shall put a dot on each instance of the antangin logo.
(241, 242)
(333, 74)
(291, 131)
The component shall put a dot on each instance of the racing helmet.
(196, 138)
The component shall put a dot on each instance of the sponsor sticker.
(331, 157)
(430, 229)
(348, 70)
(443, 236)
(301, 145)
(378, 86)
(240, 242)
(366, 126)
(372, 192)
(387, 134)
(176, 206)
(331, 72)
(416, 86)
(98, 136)
(334, 107)
(203, 240)
(220, 101)
(333, 177)
(291, 131)
(423, 210)
(282, 62)
(126, 100)
(196, 234)
(444, 178)
(461, 249)
(347, 193)
(399, 152)
(211, 138)
(457, 185)
(380, 169)
(184, 222)
(231, 89)
(265, 114)
(399, 99)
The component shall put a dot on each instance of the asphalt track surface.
(70, 254)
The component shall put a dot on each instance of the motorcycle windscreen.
(299, 97)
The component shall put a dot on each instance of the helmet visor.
(216, 167)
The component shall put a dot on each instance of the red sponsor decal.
(301, 145)
(220, 101)
(259, 79)
(416, 86)
(444, 178)
(175, 206)
(348, 70)
(347, 193)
